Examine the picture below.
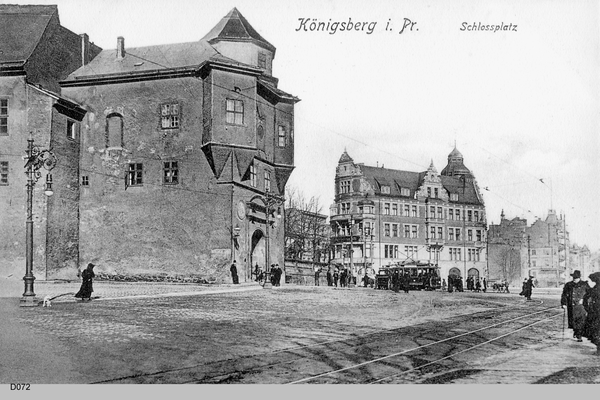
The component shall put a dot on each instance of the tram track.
(238, 368)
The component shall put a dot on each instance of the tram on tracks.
(420, 275)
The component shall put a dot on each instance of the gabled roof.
(21, 28)
(397, 179)
(153, 58)
(234, 27)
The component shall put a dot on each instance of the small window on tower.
(262, 60)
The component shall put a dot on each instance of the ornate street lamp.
(36, 159)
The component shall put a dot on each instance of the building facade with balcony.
(384, 217)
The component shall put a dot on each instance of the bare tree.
(509, 260)
(306, 231)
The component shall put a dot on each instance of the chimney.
(85, 49)
(120, 47)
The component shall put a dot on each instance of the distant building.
(384, 217)
(507, 250)
(36, 52)
(542, 248)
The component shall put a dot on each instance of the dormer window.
(404, 191)
(385, 189)
(453, 196)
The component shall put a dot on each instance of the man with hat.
(591, 302)
(572, 300)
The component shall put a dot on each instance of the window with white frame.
(450, 233)
(235, 112)
(411, 252)
(406, 231)
(414, 211)
(344, 186)
(453, 196)
(267, 181)
(281, 136)
(394, 209)
(253, 176)
(386, 208)
(404, 191)
(414, 231)
(394, 230)
(169, 115)
(386, 230)
(385, 189)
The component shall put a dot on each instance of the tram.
(421, 275)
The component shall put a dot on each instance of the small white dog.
(48, 301)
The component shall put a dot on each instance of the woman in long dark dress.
(85, 292)
(591, 302)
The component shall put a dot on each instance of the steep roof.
(21, 28)
(396, 179)
(152, 58)
(234, 27)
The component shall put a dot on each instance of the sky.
(521, 105)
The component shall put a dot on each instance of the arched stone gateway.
(474, 272)
(258, 252)
(454, 271)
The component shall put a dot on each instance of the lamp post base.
(29, 301)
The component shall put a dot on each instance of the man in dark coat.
(317, 274)
(572, 300)
(87, 276)
(484, 285)
(336, 276)
(234, 275)
(527, 287)
(591, 302)
(329, 277)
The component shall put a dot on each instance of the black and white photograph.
(303, 193)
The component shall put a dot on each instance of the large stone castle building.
(384, 217)
(178, 160)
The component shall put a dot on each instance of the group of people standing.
(582, 303)
(334, 275)
(476, 284)
(276, 273)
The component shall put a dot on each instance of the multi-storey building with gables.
(383, 217)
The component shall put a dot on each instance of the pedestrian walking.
(257, 272)
(336, 276)
(396, 281)
(528, 288)
(406, 282)
(343, 275)
(317, 273)
(444, 285)
(591, 303)
(279, 273)
(87, 276)
(478, 285)
(572, 299)
(273, 276)
(329, 277)
(234, 275)
(484, 285)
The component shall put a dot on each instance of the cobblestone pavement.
(134, 329)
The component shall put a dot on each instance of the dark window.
(3, 172)
(169, 116)
(262, 60)
(71, 129)
(85, 180)
(235, 112)
(134, 177)
(3, 116)
(171, 173)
